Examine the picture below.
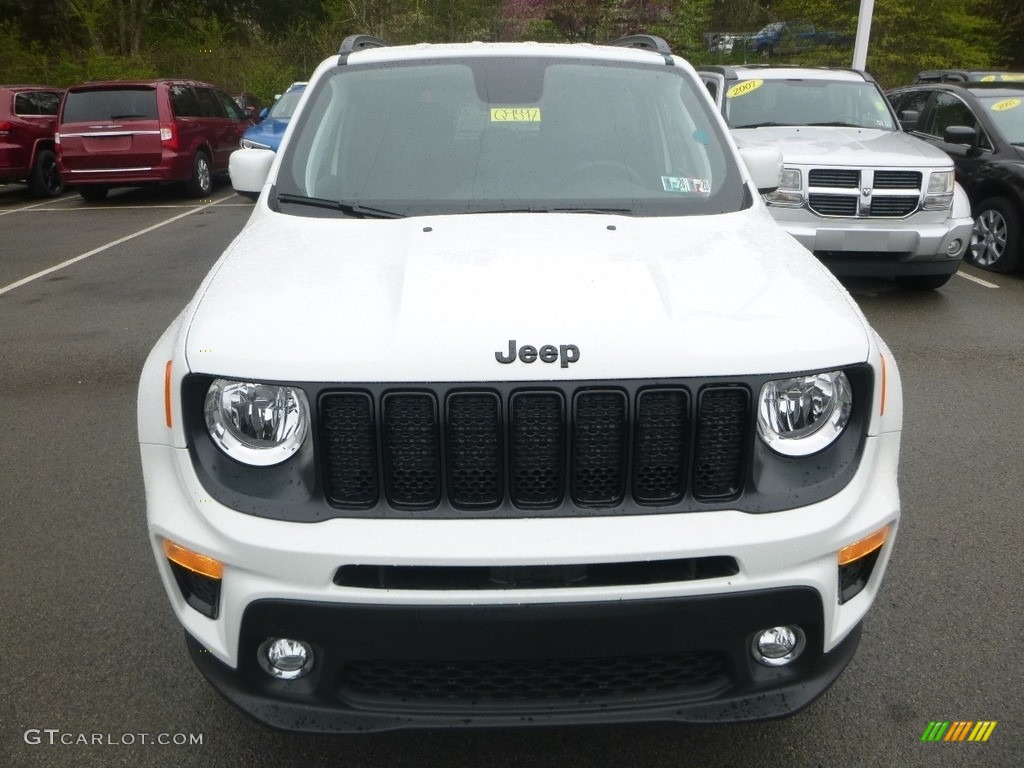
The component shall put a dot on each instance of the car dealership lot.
(91, 647)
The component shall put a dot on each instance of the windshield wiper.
(763, 125)
(349, 209)
(838, 124)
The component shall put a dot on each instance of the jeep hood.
(436, 298)
(832, 146)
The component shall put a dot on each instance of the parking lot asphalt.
(90, 647)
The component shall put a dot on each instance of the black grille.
(599, 434)
(897, 180)
(893, 205)
(534, 448)
(833, 205)
(722, 432)
(549, 681)
(833, 177)
(350, 449)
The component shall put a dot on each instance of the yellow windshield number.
(515, 114)
(742, 89)
(1002, 106)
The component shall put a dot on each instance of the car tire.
(996, 239)
(923, 282)
(45, 180)
(202, 176)
(93, 193)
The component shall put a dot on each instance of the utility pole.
(860, 45)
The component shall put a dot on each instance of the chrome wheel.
(988, 240)
(202, 174)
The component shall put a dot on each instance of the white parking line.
(102, 248)
(26, 207)
(977, 280)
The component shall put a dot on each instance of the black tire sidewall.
(37, 184)
(193, 185)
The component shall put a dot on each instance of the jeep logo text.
(566, 353)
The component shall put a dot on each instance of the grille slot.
(897, 180)
(833, 205)
(599, 435)
(833, 177)
(722, 435)
(507, 447)
(412, 466)
(553, 682)
(350, 446)
(893, 205)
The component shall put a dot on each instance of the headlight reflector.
(257, 424)
(804, 414)
(940, 191)
(789, 194)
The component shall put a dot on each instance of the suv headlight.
(790, 192)
(250, 144)
(939, 196)
(257, 424)
(804, 414)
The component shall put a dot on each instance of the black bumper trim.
(341, 634)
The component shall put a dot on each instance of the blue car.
(268, 133)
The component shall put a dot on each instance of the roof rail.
(647, 43)
(354, 43)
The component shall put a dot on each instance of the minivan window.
(230, 107)
(111, 104)
(209, 104)
(491, 135)
(183, 101)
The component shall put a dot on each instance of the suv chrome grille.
(826, 198)
(534, 447)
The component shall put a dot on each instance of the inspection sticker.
(742, 89)
(1002, 106)
(682, 184)
(515, 114)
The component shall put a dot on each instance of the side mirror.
(249, 169)
(264, 112)
(908, 119)
(764, 164)
(961, 134)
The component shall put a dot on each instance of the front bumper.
(880, 247)
(279, 581)
(390, 667)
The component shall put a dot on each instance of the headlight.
(789, 194)
(940, 191)
(250, 144)
(804, 414)
(258, 424)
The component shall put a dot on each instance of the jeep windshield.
(763, 103)
(486, 134)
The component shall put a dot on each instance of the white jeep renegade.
(512, 404)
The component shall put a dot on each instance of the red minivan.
(128, 133)
(28, 119)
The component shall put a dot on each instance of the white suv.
(866, 198)
(512, 405)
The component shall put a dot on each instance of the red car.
(122, 134)
(28, 119)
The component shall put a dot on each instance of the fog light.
(953, 249)
(285, 659)
(778, 646)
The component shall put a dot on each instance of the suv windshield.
(494, 134)
(94, 105)
(757, 103)
(1007, 112)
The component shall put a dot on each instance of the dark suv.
(981, 126)
(28, 119)
(119, 134)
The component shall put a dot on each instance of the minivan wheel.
(45, 180)
(93, 193)
(202, 176)
(996, 240)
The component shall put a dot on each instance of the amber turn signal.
(193, 561)
(864, 547)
